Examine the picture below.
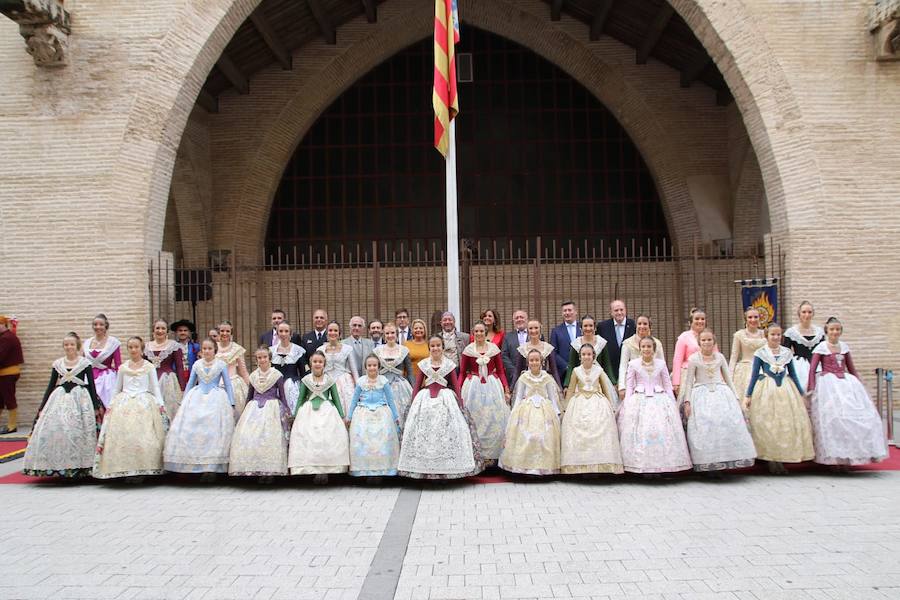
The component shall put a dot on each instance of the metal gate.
(375, 280)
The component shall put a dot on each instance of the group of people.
(391, 400)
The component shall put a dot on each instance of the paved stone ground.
(748, 537)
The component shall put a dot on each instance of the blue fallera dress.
(374, 433)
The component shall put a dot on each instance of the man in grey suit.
(362, 346)
(512, 339)
(454, 341)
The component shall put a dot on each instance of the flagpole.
(452, 228)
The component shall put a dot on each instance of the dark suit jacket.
(559, 339)
(607, 330)
(309, 343)
(270, 339)
(508, 353)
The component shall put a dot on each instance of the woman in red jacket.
(485, 392)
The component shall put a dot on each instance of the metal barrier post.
(879, 401)
(889, 389)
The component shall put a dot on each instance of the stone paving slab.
(806, 536)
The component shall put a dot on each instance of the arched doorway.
(538, 156)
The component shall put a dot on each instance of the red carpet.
(12, 449)
(892, 463)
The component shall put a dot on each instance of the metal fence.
(374, 280)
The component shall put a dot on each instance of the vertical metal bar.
(889, 382)
(376, 282)
(879, 384)
(538, 290)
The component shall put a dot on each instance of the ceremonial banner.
(443, 98)
(761, 294)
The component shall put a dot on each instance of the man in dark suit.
(616, 330)
(311, 340)
(512, 339)
(270, 338)
(564, 334)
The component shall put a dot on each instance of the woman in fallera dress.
(802, 339)
(232, 354)
(417, 345)
(439, 439)
(687, 344)
(590, 438)
(534, 342)
(779, 421)
(64, 436)
(168, 359)
(532, 443)
(650, 429)
(286, 359)
(340, 364)
(601, 355)
(631, 349)
(260, 442)
(199, 440)
(134, 427)
(396, 366)
(319, 443)
(374, 425)
(847, 428)
(717, 432)
(485, 392)
(105, 355)
(744, 344)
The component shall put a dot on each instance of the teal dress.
(374, 429)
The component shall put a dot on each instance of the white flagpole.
(452, 228)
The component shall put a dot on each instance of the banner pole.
(452, 227)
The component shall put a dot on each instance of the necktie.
(358, 347)
(620, 333)
(521, 337)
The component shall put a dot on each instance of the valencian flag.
(761, 294)
(443, 98)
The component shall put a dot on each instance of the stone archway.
(520, 22)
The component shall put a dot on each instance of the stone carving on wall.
(884, 25)
(45, 25)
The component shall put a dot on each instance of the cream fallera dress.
(133, 433)
(743, 346)
(590, 438)
(532, 442)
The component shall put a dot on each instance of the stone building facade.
(107, 158)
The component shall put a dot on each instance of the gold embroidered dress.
(260, 442)
(779, 422)
(134, 428)
(319, 439)
(590, 438)
(532, 444)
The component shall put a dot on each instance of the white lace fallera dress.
(717, 431)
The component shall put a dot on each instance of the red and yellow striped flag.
(443, 98)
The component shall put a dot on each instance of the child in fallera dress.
(779, 421)
(319, 443)
(374, 425)
(590, 438)
(260, 442)
(64, 436)
(716, 429)
(650, 428)
(846, 425)
(199, 440)
(134, 428)
(532, 443)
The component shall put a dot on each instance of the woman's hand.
(687, 409)
(746, 402)
(621, 394)
(675, 389)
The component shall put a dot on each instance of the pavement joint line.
(384, 572)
